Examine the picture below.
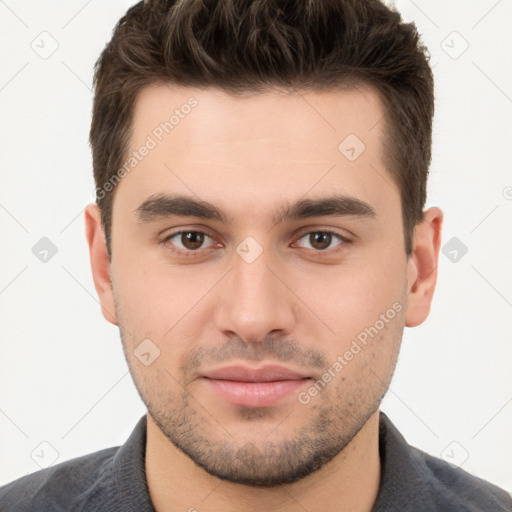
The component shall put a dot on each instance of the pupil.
(192, 240)
(320, 240)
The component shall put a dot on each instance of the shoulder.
(415, 481)
(456, 485)
(452, 488)
(60, 487)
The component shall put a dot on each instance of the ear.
(422, 266)
(100, 263)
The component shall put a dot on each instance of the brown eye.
(322, 240)
(187, 241)
(192, 240)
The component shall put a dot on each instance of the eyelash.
(196, 253)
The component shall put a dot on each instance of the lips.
(246, 374)
(250, 387)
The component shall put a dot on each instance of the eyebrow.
(162, 206)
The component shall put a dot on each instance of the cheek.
(353, 296)
(158, 301)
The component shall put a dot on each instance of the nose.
(254, 300)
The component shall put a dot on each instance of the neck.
(350, 481)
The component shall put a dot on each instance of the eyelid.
(305, 231)
(197, 252)
(326, 252)
(189, 253)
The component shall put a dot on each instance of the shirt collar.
(401, 484)
(402, 481)
(129, 471)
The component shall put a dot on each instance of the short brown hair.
(252, 45)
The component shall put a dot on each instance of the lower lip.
(255, 394)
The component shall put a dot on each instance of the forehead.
(291, 115)
(271, 145)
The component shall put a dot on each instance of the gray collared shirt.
(114, 480)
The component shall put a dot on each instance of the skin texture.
(297, 304)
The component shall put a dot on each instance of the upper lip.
(268, 373)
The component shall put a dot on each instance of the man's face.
(253, 289)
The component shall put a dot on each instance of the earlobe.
(100, 263)
(422, 267)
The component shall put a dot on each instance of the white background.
(63, 377)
